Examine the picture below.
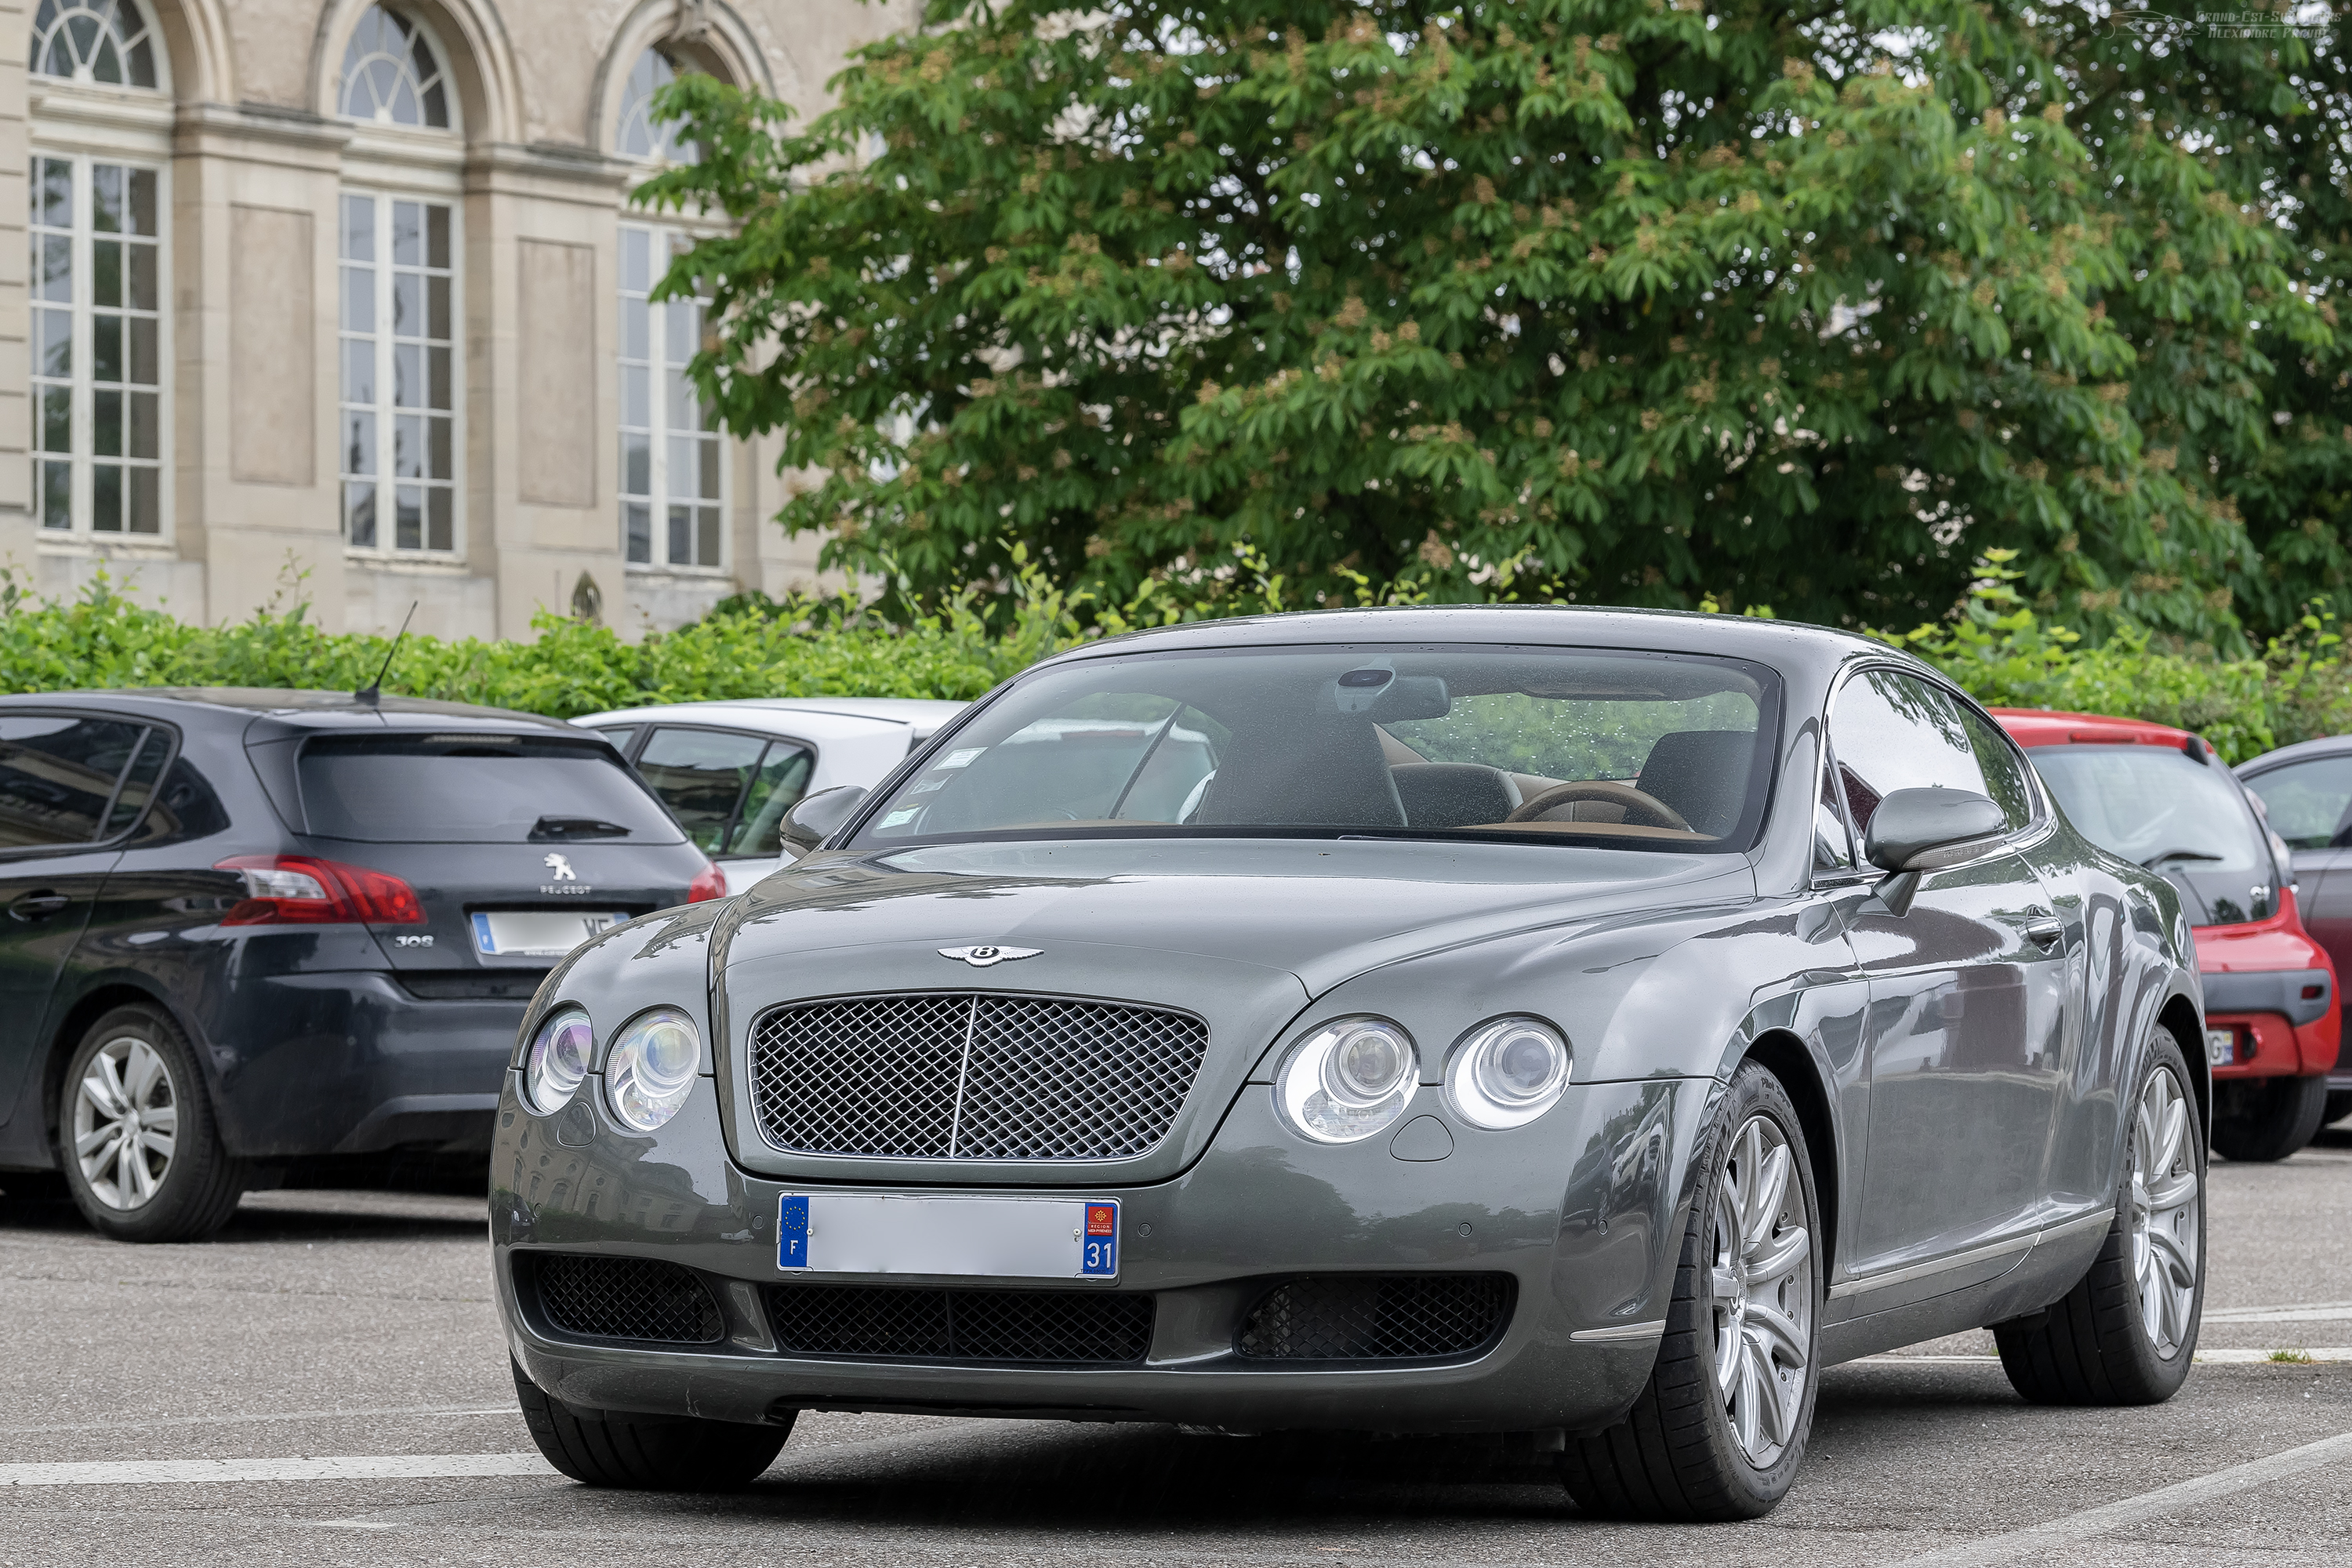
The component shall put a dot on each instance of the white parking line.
(2308, 1312)
(337, 1468)
(2073, 1528)
(413, 1413)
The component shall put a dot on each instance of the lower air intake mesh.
(627, 1298)
(1069, 1326)
(1376, 1317)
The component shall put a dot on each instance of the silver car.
(1575, 1022)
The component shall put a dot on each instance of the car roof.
(2031, 727)
(813, 717)
(298, 709)
(2325, 746)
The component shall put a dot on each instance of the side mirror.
(1915, 831)
(816, 817)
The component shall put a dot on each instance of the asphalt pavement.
(325, 1381)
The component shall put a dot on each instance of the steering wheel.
(1641, 810)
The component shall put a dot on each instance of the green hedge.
(1996, 648)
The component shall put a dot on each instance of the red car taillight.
(709, 882)
(302, 889)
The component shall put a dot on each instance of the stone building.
(353, 291)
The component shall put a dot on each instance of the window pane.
(359, 298)
(636, 465)
(146, 424)
(56, 776)
(706, 536)
(407, 234)
(699, 776)
(436, 236)
(409, 531)
(106, 497)
(57, 343)
(143, 203)
(2310, 803)
(408, 375)
(52, 194)
(106, 272)
(436, 308)
(781, 780)
(359, 370)
(682, 467)
(106, 422)
(407, 313)
(681, 407)
(105, 348)
(411, 789)
(440, 392)
(441, 526)
(57, 495)
(636, 396)
(55, 280)
(637, 532)
(359, 441)
(408, 447)
(144, 291)
(1893, 732)
(636, 340)
(56, 419)
(359, 513)
(2004, 771)
(146, 500)
(637, 250)
(146, 356)
(108, 207)
(710, 469)
(443, 464)
(681, 536)
(679, 336)
(359, 228)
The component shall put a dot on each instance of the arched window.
(640, 136)
(106, 41)
(392, 74)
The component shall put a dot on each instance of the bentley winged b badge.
(983, 957)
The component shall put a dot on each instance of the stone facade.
(260, 326)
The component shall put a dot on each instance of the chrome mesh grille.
(972, 1075)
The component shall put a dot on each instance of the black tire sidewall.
(2265, 1118)
(200, 1186)
(1753, 1090)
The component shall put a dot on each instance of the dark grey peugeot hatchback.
(247, 929)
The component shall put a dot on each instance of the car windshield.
(2184, 819)
(477, 789)
(1644, 750)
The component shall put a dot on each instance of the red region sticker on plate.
(1102, 1219)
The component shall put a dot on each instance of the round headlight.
(1346, 1081)
(652, 1067)
(1507, 1073)
(560, 1054)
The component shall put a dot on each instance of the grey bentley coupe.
(1575, 1022)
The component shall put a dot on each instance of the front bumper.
(1580, 1210)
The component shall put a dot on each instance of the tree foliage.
(1610, 300)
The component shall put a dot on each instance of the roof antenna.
(372, 694)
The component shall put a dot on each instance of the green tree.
(1603, 299)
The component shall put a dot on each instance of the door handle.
(2045, 931)
(39, 906)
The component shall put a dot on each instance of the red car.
(2159, 796)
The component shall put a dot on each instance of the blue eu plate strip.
(792, 1232)
(483, 939)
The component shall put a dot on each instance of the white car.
(730, 769)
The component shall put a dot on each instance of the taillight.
(302, 889)
(710, 882)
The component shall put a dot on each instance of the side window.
(2004, 770)
(620, 735)
(776, 787)
(138, 785)
(1890, 730)
(1832, 843)
(700, 776)
(57, 775)
(2308, 803)
(184, 807)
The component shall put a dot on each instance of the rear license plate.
(1003, 1238)
(538, 933)
(2221, 1047)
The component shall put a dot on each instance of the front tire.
(2125, 1333)
(1719, 1430)
(137, 1142)
(646, 1453)
(2267, 1118)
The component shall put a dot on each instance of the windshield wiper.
(563, 829)
(2153, 861)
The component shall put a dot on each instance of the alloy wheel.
(1761, 1276)
(2164, 1212)
(126, 1122)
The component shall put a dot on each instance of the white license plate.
(2221, 1047)
(538, 933)
(1003, 1238)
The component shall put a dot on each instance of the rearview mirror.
(1916, 831)
(816, 817)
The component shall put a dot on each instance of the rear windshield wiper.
(2155, 860)
(563, 829)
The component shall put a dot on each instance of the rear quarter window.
(475, 789)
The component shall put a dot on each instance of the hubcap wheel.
(126, 1121)
(1760, 1279)
(2164, 1211)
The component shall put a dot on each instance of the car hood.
(1244, 933)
